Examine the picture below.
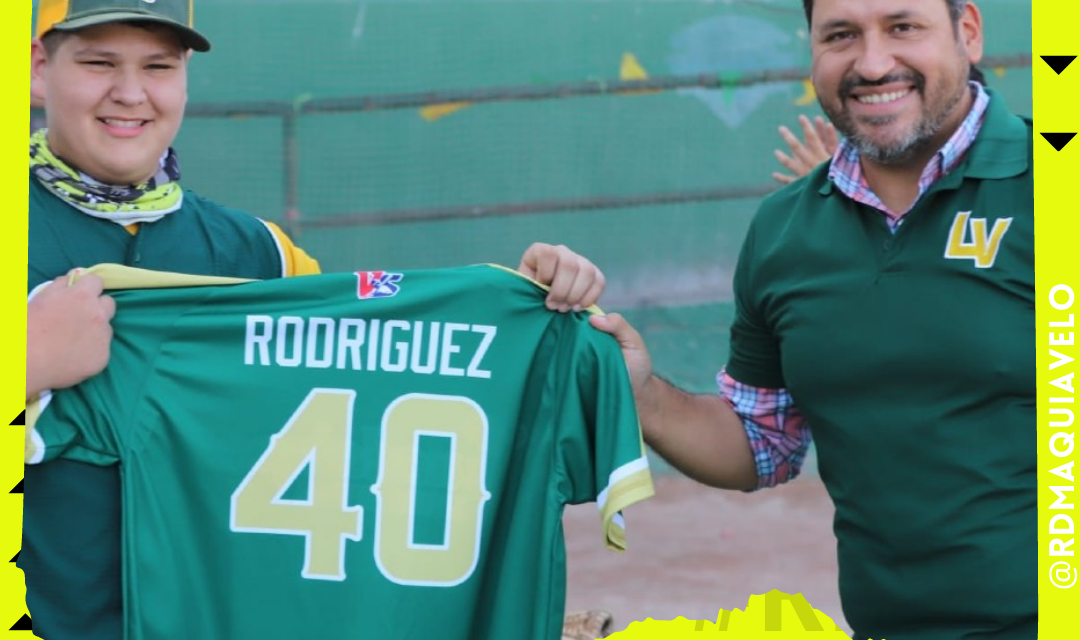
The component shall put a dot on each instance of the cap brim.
(191, 38)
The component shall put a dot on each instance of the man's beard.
(915, 142)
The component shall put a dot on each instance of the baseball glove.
(587, 625)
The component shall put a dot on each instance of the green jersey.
(366, 455)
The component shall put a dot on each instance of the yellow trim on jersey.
(116, 276)
(628, 485)
(34, 445)
(296, 261)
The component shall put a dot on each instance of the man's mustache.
(851, 83)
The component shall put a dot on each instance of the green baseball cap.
(72, 15)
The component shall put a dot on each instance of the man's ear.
(38, 61)
(971, 32)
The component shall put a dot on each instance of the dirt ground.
(695, 550)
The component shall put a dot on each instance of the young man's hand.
(575, 282)
(67, 333)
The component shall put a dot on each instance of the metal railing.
(289, 112)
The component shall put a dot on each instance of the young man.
(104, 188)
(886, 301)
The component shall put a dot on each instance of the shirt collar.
(1004, 147)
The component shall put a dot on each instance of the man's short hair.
(956, 9)
(976, 75)
(52, 40)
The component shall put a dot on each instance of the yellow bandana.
(124, 205)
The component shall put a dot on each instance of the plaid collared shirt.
(846, 172)
(778, 433)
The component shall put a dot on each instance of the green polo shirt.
(911, 355)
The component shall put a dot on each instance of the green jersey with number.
(367, 455)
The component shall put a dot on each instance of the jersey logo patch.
(969, 240)
(377, 284)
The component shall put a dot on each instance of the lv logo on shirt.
(968, 239)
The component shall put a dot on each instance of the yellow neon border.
(1054, 27)
(14, 124)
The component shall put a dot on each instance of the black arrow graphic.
(1058, 140)
(1058, 63)
(23, 624)
(18, 488)
(20, 419)
(16, 558)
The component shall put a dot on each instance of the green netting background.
(669, 265)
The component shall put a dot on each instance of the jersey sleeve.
(68, 424)
(601, 452)
(52, 422)
(92, 421)
(296, 261)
